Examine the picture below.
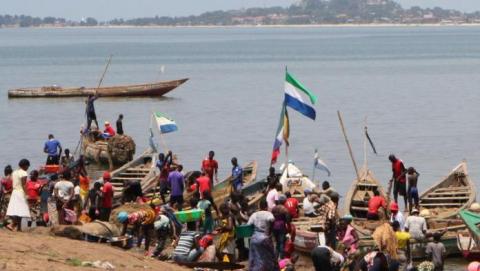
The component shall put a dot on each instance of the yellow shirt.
(402, 238)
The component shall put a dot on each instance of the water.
(417, 85)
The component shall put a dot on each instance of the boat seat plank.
(440, 204)
(444, 198)
(447, 189)
(448, 193)
(138, 169)
(132, 174)
(355, 208)
(127, 178)
(367, 184)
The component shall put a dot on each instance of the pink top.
(349, 240)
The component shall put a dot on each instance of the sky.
(108, 9)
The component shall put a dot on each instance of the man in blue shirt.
(237, 175)
(90, 110)
(51, 147)
(177, 186)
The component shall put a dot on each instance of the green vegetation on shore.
(304, 13)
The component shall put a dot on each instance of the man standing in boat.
(54, 150)
(237, 175)
(210, 167)
(90, 111)
(398, 179)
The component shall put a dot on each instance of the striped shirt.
(185, 243)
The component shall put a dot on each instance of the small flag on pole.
(165, 125)
(319, 164)
(283, 132)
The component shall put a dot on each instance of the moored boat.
(294, 181)
(221, 191)
(467, 245)
(472, 221)
(454, 193)
(139, 90)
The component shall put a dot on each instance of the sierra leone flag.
(293, 98)
(165, 125)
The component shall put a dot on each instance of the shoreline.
(373, 25)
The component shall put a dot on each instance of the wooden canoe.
(140, 90)
(136, 170)
(454, 193)
(356, 201)
(472, 221)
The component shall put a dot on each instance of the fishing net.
(385, 239)
(121, 147)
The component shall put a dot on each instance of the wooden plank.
(126, 178)
(359, 208)
(445, 198)
(133, 174)
(367, 184)
(439, 205)
(448, 193)
(462, 188)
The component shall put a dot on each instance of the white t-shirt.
(272, 196)
(399, 217)
(416, 225)
(261, 220)
(308, 206)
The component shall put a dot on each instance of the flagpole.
(348, 145)
(313, 170)
(365, 162)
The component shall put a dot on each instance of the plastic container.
(244, 231)
(189, 216)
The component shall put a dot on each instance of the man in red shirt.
(107, 202)
(374, 204)
(398, 178)
(292, 205)
(203, 183)
(210, 167)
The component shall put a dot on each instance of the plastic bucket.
(244, 231)
(189, 216)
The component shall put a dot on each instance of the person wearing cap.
(396, 215)
(347, 234)
(309, 205)
(416, 225)
(107, 200)
(279, 229)
(109, 131)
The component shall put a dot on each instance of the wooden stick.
(103, 74)
(348, 145)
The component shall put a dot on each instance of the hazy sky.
(107, 9)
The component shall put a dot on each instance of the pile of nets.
(121, 148)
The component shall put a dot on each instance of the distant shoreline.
(251, 26)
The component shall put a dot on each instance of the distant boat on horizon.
(155, 89)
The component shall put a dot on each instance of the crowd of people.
(71, 196)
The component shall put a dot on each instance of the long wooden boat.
(141, 169)
(454, 193)
(140, 90)
(469, 243)
(115, 151)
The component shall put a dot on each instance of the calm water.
(418, 87)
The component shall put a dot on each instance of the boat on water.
(361, 191)
(140, 90)
(469, 241)
(115, 151)
(452, 194)
(141, 169)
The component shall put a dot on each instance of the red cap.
(393, 206)
(106, 175)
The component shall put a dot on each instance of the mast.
(348, 144)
